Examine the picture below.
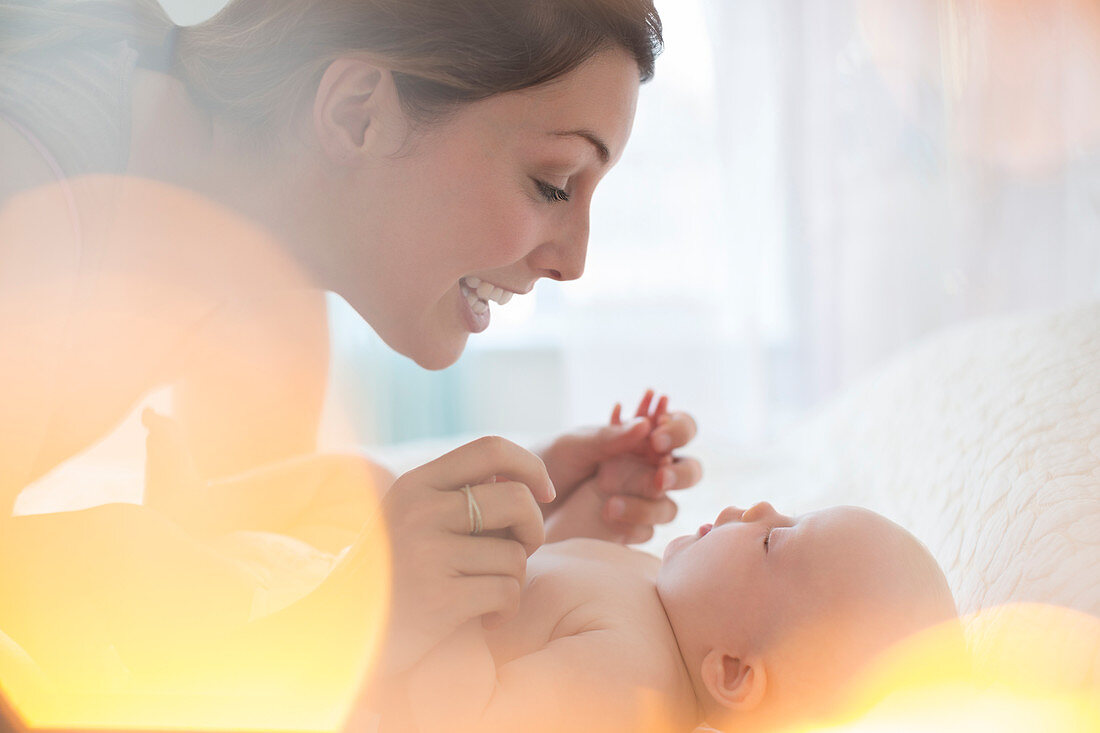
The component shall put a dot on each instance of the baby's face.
(752, 572)
(799, 600)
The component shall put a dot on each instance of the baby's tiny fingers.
(635, 510)
(662, 408)
(643, 406)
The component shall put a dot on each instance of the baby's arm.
(590, 679)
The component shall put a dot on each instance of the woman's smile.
(443, 254)
(476, 296)
(475, 311)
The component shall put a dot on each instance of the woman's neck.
(176, 142)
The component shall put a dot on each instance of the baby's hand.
(625, 497)
(657, 446)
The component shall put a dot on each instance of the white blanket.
(983, 441)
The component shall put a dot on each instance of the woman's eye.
(553, 194)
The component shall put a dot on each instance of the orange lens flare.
(1025, 667)
(226, 601)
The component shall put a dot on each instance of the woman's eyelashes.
(553, 194)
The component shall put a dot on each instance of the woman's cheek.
(520, 239)
(511, 234)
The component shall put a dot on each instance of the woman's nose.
(563, 258)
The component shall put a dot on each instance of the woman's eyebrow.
(601, 147)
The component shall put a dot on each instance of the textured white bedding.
(984, 441)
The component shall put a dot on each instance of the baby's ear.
(736, 683)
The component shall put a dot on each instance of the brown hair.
(257, 60)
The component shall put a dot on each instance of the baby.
(753, 623)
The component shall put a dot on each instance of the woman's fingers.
(682, 473)
(504, 505)
(441, 578)
(638, 478)
(675, 431)
(639, 511)
(485, 457)
(478, 595)
(638, 535)
(490, 556)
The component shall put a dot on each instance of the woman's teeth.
(478, 291)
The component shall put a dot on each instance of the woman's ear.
(348, 108)
(736, 683)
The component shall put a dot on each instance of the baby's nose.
(758, 511)
(729, 514)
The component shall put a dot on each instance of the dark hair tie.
(163, 57)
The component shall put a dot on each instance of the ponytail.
(64, 71)
(43, 28)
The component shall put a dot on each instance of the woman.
(419, 158)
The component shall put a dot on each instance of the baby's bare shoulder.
(598, 586)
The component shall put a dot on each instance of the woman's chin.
(438, 354)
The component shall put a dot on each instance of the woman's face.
(481, 206)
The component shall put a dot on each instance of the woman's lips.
(704, 528)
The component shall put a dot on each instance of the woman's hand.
(612, 481)
(443, 575)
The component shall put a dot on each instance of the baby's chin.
(675, 547)
(684, 541)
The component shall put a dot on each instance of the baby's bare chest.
(580, 585)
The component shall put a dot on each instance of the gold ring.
(473, 510)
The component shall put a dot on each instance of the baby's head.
(773, 614)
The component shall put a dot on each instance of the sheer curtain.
(809, 188)
(937, 161)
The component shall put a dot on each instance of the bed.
(984, 441)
